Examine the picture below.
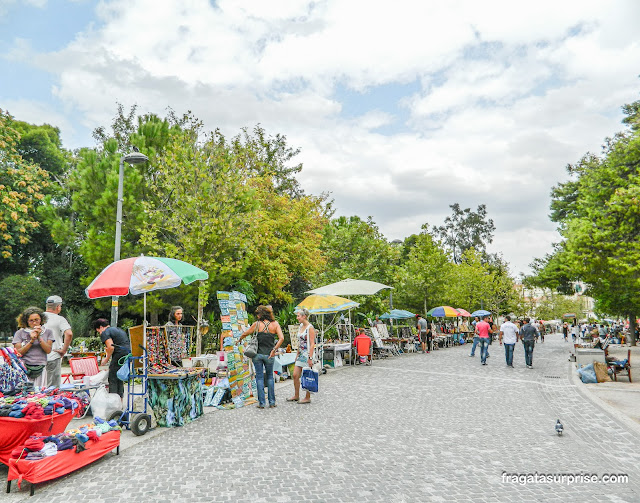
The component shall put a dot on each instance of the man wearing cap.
(62, 335)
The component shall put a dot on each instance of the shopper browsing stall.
(304, 356)
(117, 346)
(266, 330)
(33, 342)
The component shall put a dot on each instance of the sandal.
(292, 399)
(303, 401)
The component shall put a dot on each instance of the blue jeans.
(528, 351)
(508, 353)
(484, 348)
(264, 365)
(476, 339)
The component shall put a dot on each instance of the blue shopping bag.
(310, 380)
(124, 370)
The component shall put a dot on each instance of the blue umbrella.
(481, 312)
(398, 314)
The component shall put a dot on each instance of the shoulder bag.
(252, 348)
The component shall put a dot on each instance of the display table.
(334, 348)
(61, 464)
(15, 431)
(176, 399)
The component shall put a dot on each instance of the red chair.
(80, 367)
(363, 346)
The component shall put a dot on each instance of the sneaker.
(472, 355)
(484, 363)
(529, 366)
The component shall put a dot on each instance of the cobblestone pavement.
(436, 427)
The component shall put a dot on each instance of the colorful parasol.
(443, 312)
(326, 304)
(463, 312)
(142, 274)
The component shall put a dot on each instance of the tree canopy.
(598, 216)
(230, 205)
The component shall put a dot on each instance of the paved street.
(437, 427)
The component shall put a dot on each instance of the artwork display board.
(235, 320)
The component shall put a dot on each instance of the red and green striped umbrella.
(142, 274)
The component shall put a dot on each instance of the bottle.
(288, 348)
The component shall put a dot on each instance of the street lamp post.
(132, 158)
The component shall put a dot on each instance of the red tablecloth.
(62, 463)
(15, 431)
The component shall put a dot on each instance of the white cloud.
(509, 93)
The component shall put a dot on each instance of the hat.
(54, 299)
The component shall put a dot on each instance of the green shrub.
(80, 321)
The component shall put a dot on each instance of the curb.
(618, 416)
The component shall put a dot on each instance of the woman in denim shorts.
(304, 357)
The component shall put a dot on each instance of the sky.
(400, 109)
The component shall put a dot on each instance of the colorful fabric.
(176, 401)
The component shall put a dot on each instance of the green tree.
(470, 282)
(41, 145)
(425, 274)
(553, 305)
(466, 229)
(598, 215)
(19, 292)
(22, 187)
(355, 248)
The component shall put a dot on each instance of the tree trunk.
(632, 329)
(154, 318)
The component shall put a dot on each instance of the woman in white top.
(304, 357)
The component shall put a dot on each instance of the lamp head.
(135, 158)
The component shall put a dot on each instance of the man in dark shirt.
(528, 335)
(117, 345)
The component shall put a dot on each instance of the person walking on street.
(267, 329)
(62, 334)
(565, 331)
(424, 332)
(117, 345)
(484, 331)
(476, 340)
(508, 335)
(528, 335)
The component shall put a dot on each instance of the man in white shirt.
(508, 336)
(62, 339)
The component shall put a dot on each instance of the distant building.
(533, 297)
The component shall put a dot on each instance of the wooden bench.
(621, 369)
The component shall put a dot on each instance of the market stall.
(403, 335)
(42, 457)
(445, 337)
(319, 306)
(174, 392)
(25, 410)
